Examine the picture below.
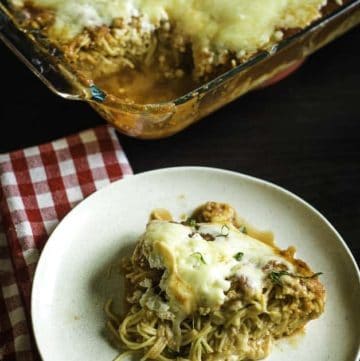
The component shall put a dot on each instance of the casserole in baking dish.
(156, 66)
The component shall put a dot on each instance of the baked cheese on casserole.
(174, 37)
(204, 289)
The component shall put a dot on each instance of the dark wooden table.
(303, 133)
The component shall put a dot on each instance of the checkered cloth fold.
(38, 187)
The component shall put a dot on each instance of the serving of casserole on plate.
(144, 59)
(211, 288)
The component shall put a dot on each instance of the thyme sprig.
(239, 256)
(225, 230)
(275, 276)
(243, 229)
(199, 257)
(192, 223)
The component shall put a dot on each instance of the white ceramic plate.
(71, 282)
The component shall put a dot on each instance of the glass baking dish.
(152, 121)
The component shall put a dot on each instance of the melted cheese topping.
(197, 271)
(236, 25)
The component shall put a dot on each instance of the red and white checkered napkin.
(38, 187)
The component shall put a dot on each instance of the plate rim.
(129, 178)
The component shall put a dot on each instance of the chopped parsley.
(199, 257)
(243, 229)
(275, 276)
(224, 231)
(192, 223)
(239, 256)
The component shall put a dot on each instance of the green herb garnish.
(199, 257)
(192, 223)
(239, 256)
(224, 231)
(275, 276)
(243, 229)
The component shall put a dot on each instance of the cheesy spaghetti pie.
(206, 289)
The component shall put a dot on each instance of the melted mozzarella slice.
(199, 263)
